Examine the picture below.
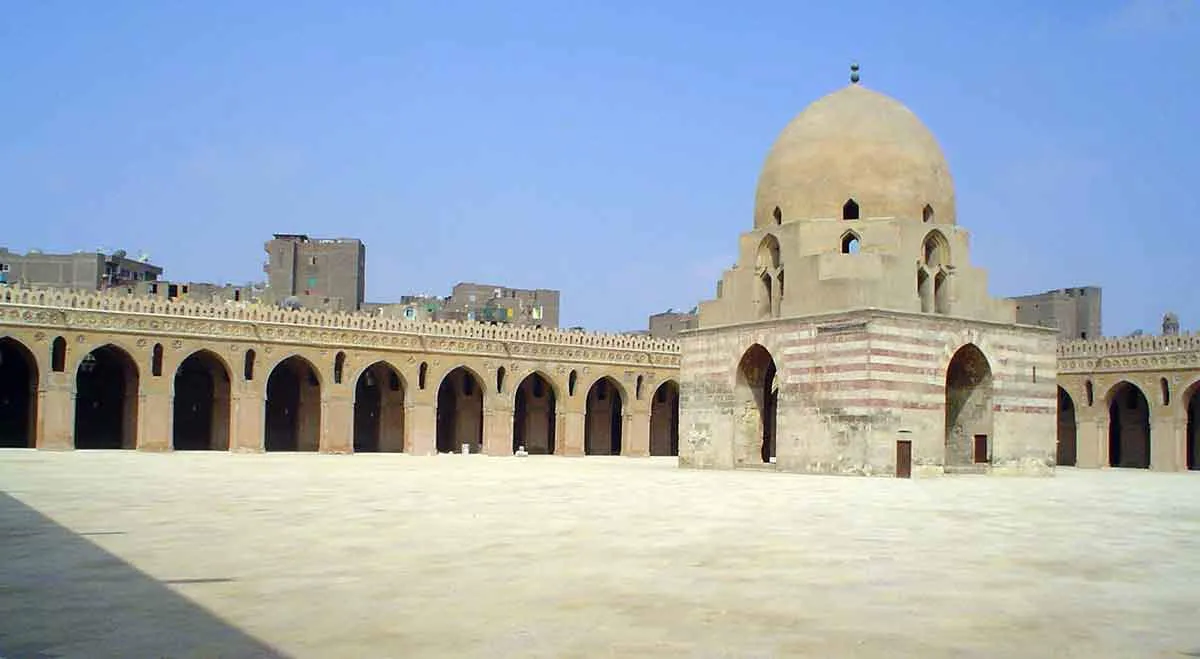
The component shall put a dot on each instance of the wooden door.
(904, 458)
(981, 449)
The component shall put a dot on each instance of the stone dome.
(854, 144)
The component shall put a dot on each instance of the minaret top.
(854, 73)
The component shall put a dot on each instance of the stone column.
(392, 426)
(1168, 447)
(56, 413)
(337, 424)
(420, 429)
(154, 419)
(571, 440)
(636, 433)
(498, 431)
(248, 409)
(1091, 440)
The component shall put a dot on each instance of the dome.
(854, 144)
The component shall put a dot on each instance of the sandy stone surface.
(122, 554)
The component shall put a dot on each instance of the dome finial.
(854, 73)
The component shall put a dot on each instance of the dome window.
(927, 213)
(850, 210)
(778, 215)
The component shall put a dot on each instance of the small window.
(339, 365)
(850, 210)
(172, 291)
(421, 373)
(571, 383)
(927, 213)
(850, 243)
(637, 392)
(237, 295)
(1087, 391)
(248, 366)
(500, 380)
(58, 355)
(4, 267)
(1166, 391)
(778, 215)
(1035, 374)
(312, 260)
(156, 359)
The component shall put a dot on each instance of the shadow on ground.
(61, 595)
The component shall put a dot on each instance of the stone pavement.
(125, 554)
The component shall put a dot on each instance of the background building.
(80, 270)
(322, 273)
(670, 323)
(489, 303)
(1075, 312)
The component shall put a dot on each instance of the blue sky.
(609, 149)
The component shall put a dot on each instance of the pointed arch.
(850, 209)
(293, 406)
(1191, 402)
(535, 415)
(927, 213)
(379, 396)
(339, 366)
(248, 365)
(935, 250)
(156, 360)
(767, 256)
(850, 242)
(1067, 442)
(604, 417)
(500, 380)
(106, 399)
(756, 396)
(58, 355)
(19, 379)
(664, 419)
(968, 409)
(1128, 426)
(460, 411)
(200, 404)
(571, 381)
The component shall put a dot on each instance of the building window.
(312, 260)
(850, 210)
(339, 365)
(4, 267)
(156, 359)
(58, 355)
(850, 243)
(248, 366)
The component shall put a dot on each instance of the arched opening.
(1165, 389)
(293, 420)
(941, 293)
(156, 360)
(200, 414)
(767, 257)
(106, 400)
(756, 398)
(1066, 429)
(339, 366)
(925, 290)
(1192, 429)
(421, 373)
(1128, 427)
(927, 213)
(850, 210)
(968, 410)
(764, 296)
(58, 355)
(637, 389)
(248, 365)
(500, 380)
(602, 426)
(664, 420)
(534, 416)
(460, 412)
(778, 215)
(18, 395)
(936, 250)
(379, 410)
(1089, 392)
(571, 379)
(850, 243)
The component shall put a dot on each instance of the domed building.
(853, 335)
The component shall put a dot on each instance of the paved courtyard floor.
(123, 554)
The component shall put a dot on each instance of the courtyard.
(133, 554)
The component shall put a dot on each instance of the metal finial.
(854, 73)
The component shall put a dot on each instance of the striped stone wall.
(852, 384)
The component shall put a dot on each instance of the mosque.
(853, 335)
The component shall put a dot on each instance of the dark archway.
(1066, 429)
(968, 410)
(18, 395)
(106, 400)
(200, 418)
(1128, 427)
(293, 420)
(379, 410)
(603, 423)
(460, 412)
(664, 420)
(756, 396)
(535, 416)
(1192, 437)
